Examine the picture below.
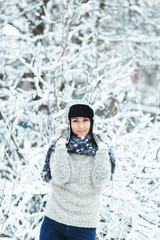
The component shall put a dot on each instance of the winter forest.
(104, 52)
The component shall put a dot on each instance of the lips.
(81, 133)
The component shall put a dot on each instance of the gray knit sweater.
(76, 186)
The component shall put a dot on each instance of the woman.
(77, 168)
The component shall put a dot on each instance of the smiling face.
(80, 126)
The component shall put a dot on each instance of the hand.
(61, 142)
(102, 146)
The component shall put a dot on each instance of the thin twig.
(55, 94)
(9, 153)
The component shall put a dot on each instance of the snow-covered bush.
(56, 51)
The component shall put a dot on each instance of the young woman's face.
(80, 126)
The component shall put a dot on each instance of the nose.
(81, 125)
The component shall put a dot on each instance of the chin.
(81, 135)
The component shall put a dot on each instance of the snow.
(10, 30)
(80, 49)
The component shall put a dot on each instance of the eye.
(75, 120)
(86, 119)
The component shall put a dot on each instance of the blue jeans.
(52, 230)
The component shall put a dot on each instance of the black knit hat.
(80, 110)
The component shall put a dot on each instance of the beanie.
(81, 110)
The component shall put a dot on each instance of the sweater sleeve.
(101, 172)
(59, 164)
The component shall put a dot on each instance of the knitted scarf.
(83, 145)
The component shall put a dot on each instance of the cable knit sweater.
(76, 186)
